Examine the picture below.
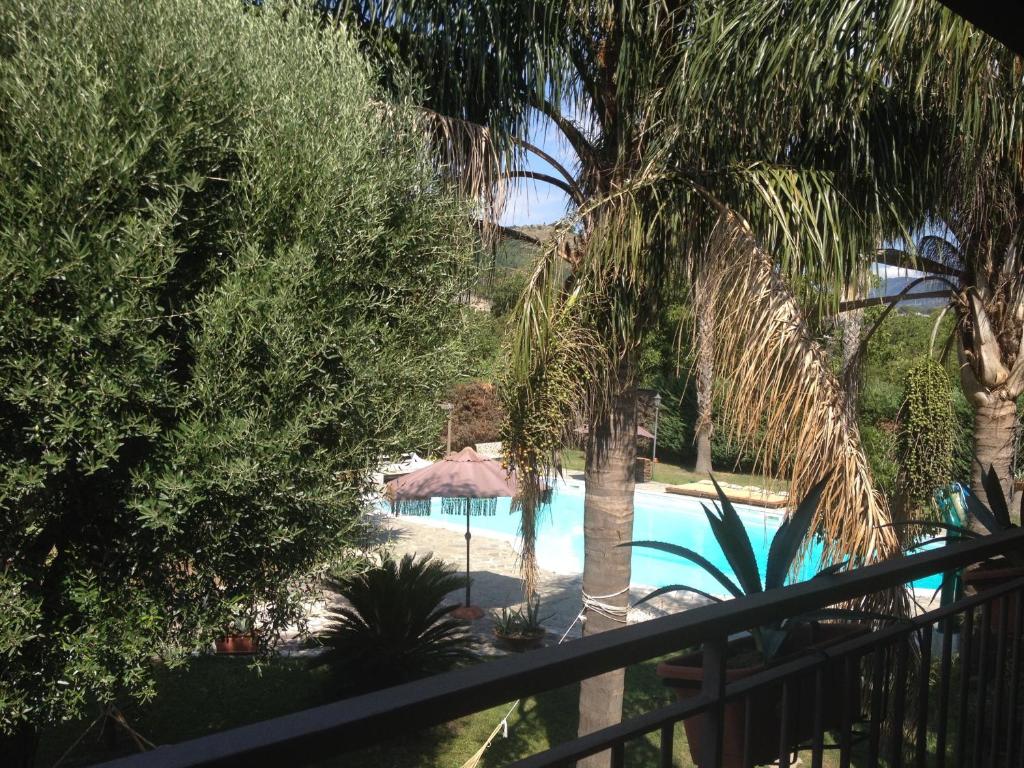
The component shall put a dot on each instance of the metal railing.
(938, 689)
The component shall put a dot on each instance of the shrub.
(477, 414)
(223, 298)
(396, 627)
(506, 290)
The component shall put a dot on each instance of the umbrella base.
(468, 612)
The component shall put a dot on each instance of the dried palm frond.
(781, 398)
(467, 156)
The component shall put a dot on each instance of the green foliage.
(892, 352)
(520, 623)
(506, 290)
(667, 365)
(928, 433)
(397, 627)
(480, 346)
(222, 301)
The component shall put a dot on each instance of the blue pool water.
(660, 517)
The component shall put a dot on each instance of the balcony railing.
(938, 689)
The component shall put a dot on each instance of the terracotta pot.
(685, 674)
(522, 642)
(988, 576)
(237, 644)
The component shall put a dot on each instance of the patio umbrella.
(467, 483)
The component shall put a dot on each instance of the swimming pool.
(661, 517)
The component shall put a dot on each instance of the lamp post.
(448, 408)
(657, 408)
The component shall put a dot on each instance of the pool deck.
(494, 569)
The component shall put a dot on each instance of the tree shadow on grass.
(217, 693)
(209, 694)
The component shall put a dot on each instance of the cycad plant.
(396, 626)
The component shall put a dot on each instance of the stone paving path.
(494, 572)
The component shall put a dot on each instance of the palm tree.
(938, 109)
(981, 260)
(630, 87)
(954, 100)
(705, 377)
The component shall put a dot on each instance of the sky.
(532, 202)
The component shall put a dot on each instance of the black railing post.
(923, 690)
(667, 739)
(713, 686)
(966, 634)
(1014, 681)
(899, 695)
(945, 670)
(981, 693)
(998, 679)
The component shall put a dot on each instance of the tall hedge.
(228, 285)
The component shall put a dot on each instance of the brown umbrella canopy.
(467, 483)
(462, 475)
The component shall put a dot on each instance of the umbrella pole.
(468, 537)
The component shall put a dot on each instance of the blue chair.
(952, 503)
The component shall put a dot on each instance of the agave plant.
(739, 552)
(397, 626)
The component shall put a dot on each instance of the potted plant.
(519, 631)
(239, 638)
(765, 645)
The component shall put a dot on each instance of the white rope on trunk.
(596, 604)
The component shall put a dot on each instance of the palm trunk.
(992, 383)
(607, 522)
(851, 323)
(705, 381)
(995, 422)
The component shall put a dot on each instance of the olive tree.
(228, 287)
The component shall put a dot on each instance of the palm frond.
(778, 390)
(553, 361)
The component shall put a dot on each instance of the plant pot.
(522, 641)
(237, 644)
(988, 576)
(684, 674)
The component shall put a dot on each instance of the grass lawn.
(676, 474)
(216, 693)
